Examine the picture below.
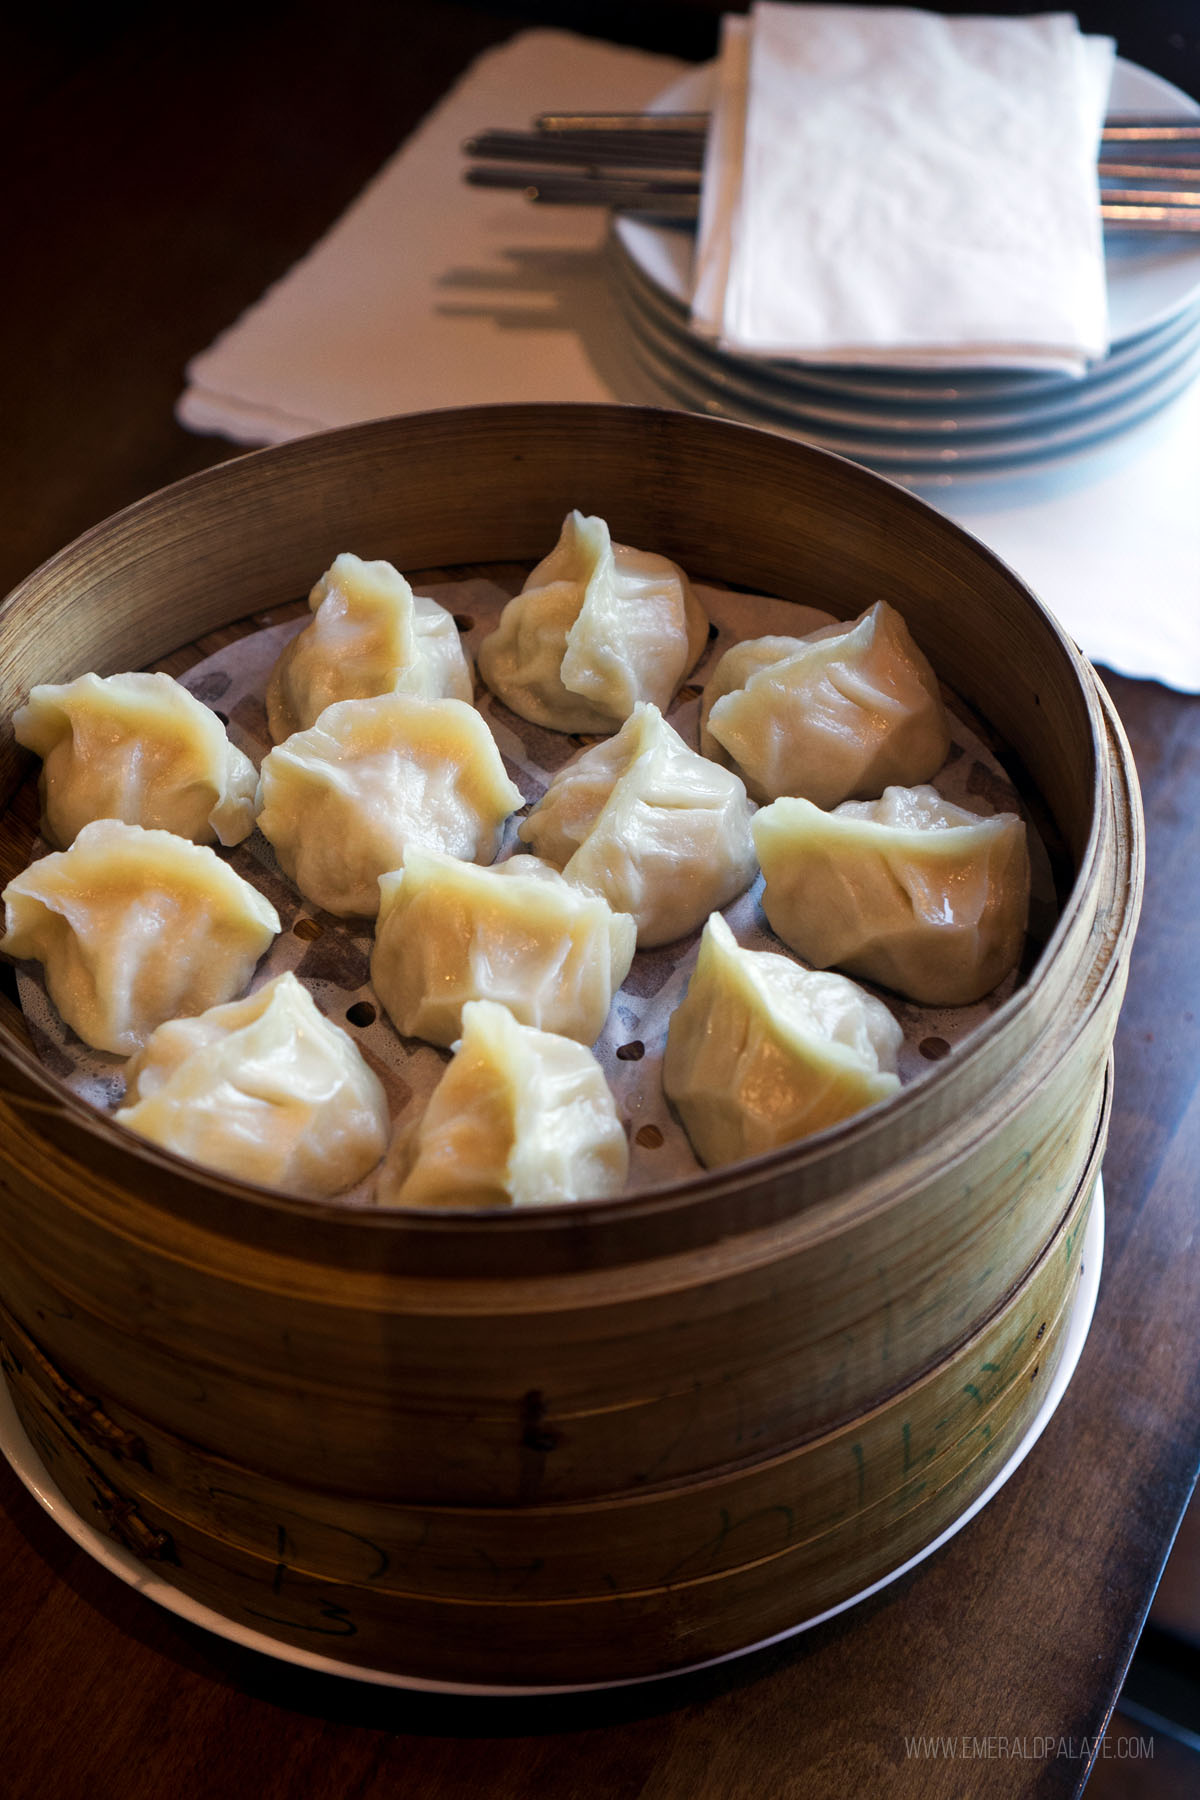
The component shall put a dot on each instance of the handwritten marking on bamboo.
(341, 1624)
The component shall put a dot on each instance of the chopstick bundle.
(651, 163)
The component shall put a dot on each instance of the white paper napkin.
(907, 189)
(427, 294)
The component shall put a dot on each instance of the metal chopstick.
(642, 150)
(646, 124)
(1150, 197)
(679, 197)
(676, 198)
(626, 149)
(1120, 128)
(1185, 172)
(651, 163)
(1151, 218)
(585, 151)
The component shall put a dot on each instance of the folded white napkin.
(906, 189)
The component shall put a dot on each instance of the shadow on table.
(555, 290)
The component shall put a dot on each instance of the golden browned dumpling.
(370, 635)
(264, 1088)
(762, 1051)
(521, 1117)
(596, 628)
(662, 832)
(135, 927)
(449, 932)
(138, 748)
(343, 801)
(838, 715)
(909, 890)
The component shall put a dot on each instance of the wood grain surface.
(165, 166)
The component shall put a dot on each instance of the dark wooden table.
(163, 168)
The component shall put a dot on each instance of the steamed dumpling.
(761, 1051)
(910, 891)
(264, 1088)
(521, 1117)
(837, 715)
(596, 628)
(343, 801)
(661, 832)
(370, 635)
(138, 748)
(449, 932)
(135, 927)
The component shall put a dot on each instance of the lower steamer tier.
(630, 1586)
(624, 1437)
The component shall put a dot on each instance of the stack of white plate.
(927, 426)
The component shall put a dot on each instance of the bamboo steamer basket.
(593, 1442)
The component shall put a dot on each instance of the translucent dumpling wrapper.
(762, 1051)
(910, 891)
(138, 748)
(596, 628)
(449, 932)
(343, 801)
(370, 635)
(266, 1089)
(662, 832)
(837, 715)
(521, 1117)
(135, 927)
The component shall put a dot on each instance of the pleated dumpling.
(837, 715)
(264, 1088)
(762, 1051)
(596, 628)
(449, 932)
(521, 1117)
(138, 748)
(343, 801)
(910, 891)
(370, 635)
(135, 927)
(662, 832)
